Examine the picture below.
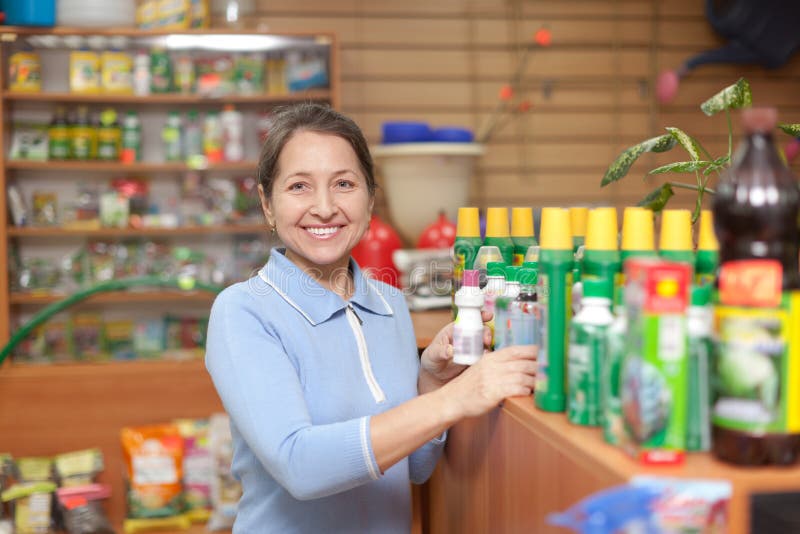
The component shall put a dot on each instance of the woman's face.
(320, 204)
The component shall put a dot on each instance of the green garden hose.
(120, 284)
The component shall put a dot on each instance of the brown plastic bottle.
(756, 416)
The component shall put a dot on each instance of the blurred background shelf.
(227, 229)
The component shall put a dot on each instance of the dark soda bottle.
(756, 415)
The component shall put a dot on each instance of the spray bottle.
(601, 257)
(699, 325)
(675, 240)
(707, 260)
(554, 291)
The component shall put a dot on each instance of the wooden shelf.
(135, 32)
(171, 99)
(118, 166)
(228, 229)
(116, 297)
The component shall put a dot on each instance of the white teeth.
(324, 231)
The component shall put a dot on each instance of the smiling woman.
(332, 411)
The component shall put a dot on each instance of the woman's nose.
(324, 205)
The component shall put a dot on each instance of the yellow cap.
(706, 238)
(637, 229)
(601, 229)
(676, 230)
(521, 222)
(468, 224)
(578, 216)
(556, 230)
(497, 222)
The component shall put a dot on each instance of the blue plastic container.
(452, 134)
(30, 12)
(406, 132)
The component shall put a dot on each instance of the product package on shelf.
(225, 489)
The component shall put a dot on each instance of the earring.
(272, 229)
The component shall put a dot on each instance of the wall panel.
(592, 91)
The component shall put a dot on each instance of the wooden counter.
(506, 471)
(48, 409)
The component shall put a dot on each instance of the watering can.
(763, 32)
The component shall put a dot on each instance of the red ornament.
(506, 93)
(374, 252)
(543, 37)
(440, 234)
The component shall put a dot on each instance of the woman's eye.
(299, 186)
(344, 184)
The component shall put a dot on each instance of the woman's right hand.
(508, 372)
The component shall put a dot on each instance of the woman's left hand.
(436, 363)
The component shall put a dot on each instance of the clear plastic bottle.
(193, 140)
(141, 73)
(231, 121)
(131, 138)
(524, 311)
(212, 137)
(468, 327)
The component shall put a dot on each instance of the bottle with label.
(756, 416)
(502, 323)
(601, 256)
(554, 292)
(522, 233)
(675, 240)
(59, 135)
(131, 138)
(468, 326)
(707, 260)
(495, 287)
(84, 136)
(468, 241)
(231, 122)
(171, 135)
(193, 141)
(497, 233)
(109, 136)
(610, 399)
(525, 310)
(212, 137)
(160, 71)
(141, 73)
(587, 352)
(699, 323)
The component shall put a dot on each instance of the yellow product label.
(201, 14)
(24, 72)
(117, 72)
(146, 14)
(32, 513)
(35, 469)
(793, 371)
(84, 72)
(174, 14)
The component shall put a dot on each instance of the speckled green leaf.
(679, 166)
(734, 96)
(658, 198)
(688, 142)
(628, 157)
(791, 129)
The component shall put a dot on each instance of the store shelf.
(139, 33)
(116, 297)
(171, 99)
(228, 229)
(118, 166)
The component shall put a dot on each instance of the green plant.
(701, 163)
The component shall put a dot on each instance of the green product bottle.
(707, 262)
(638, 240)
(610, 398)
(131, 138)
(554, 292)
(84, 136)
(587, 352)
(59, 135)
(109, 136)
(522, 233)
(675, 240)
(172, 136)
(601, 257)
(577, 221)
(701, 345)
(465, 249)
(497, 233)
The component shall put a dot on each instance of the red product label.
(756, 283)
(665, 285)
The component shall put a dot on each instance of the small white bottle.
(232, 147)
(468, 327)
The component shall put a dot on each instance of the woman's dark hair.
(312, 117)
